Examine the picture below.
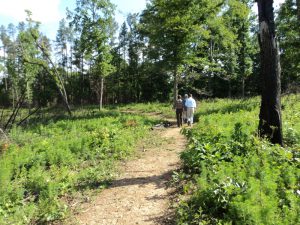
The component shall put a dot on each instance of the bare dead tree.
(270, 121)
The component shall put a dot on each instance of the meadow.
(231, 176)
(54, 158)
(228, 176)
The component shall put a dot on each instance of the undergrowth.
(53, 158)
(235, 177)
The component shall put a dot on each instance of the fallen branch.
(30, 114)
(12, 117)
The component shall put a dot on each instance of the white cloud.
(45, 11)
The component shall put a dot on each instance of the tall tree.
(35, 52)
(123, 66)
(134, 53)
(172, 27)
(61, 44)
(270, 122)
(241, 16)
(289, 39)
(93, 21)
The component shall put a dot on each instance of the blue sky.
(50, 12)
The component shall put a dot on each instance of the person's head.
(179, 96)
(190, 95)
(186, 96)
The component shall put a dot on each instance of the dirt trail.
(141, 194)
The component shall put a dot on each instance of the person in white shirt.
(184, 117)
(190, 103)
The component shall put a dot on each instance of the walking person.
(179, 110)
(191, 106)
(184, 114)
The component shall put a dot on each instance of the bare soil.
(141, 194)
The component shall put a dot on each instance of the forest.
(73, 107)
(212, 45)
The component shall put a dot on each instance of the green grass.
(233, 176)
(164, 109)
(54, 157)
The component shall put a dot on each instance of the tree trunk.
(243, 61)
(101, 94)
(5, 78)
(175, 87)
(229, 88)
(243, 86)
(270, 123)
(82, 80)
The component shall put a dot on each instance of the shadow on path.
(159, 180)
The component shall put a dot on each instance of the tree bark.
(5, 78)
(101, 94)
(175, 87)
(243, 86)
(229, 88)
(270, 123)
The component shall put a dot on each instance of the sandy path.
(141, 194)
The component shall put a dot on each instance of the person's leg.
(192, 115)
(184, 116)
(180, 118)
(189, 115)
(177, 117)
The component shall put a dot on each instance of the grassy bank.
(231, 176)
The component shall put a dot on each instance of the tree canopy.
(208, 48)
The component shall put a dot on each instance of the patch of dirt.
(141, 194)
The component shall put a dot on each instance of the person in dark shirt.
(179, 109)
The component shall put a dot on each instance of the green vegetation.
(163, 109)
(43, 165)
(207, 48)
(232, 176)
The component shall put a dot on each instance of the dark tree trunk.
(101, 94)
(229, 89)
(243, 86)
(175, 87)
(270, 124)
